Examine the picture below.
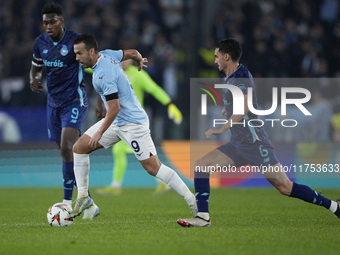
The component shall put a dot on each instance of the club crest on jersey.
(45, 51)
(64, 50)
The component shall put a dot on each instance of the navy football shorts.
(72, 115)
(260, 153)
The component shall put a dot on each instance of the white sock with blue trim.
(170, 177)
(81, 172)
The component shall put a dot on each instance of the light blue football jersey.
(108, 78)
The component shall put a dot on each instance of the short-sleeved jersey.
(243, 79)
(64, 73)
(109, 78)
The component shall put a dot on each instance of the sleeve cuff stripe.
(38, 65)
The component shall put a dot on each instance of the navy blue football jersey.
(243, 79)
(64, 73)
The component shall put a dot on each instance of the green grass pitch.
(244, 221)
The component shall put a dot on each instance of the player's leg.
(202, 184)
(138, 138)
(72, 118)
(69, 136)
(81, 151)
(56, 133)
(278, 178)
(155, 168)
(119, 151)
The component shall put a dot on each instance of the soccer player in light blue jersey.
(248, 144)
(66, 99)
(125, 120)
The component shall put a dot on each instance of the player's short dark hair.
(52, 8)
(230, 46)
(89, 41)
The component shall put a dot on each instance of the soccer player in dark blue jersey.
(66, 99)
(248, 145)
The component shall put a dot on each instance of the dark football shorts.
(72, 115)
(260, 153)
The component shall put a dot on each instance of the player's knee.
(66, 153)
(76, 148)
(151, 165)
(151, 169)
(201, 166)
(198, 165)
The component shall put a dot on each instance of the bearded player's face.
(83, 56)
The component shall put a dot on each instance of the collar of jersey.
(56, 43)
(95, 65)
(233, 72)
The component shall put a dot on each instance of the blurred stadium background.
(294, 38)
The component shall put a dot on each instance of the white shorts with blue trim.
(136, 136)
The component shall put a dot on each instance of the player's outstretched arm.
(233, 119)
(136, 56)
(35, 78)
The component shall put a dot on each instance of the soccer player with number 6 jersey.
(248, 144)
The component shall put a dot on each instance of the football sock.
(120, 163)
(170, 177)
(307, 194)
(68, 202)
(202, 191)
(203, 215)
(333, 207)
(81, 172)
(68, 180)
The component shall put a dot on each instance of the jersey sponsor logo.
(64, 50)
(45, 51)
(55, 63)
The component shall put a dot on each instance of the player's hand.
(212, 131)
(175, 114)
(141, 64)
(95, 139)
(224, 112)
(36, 86)
(100, 109)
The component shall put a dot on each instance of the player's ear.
(62, 20)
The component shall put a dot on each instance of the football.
(58, 215)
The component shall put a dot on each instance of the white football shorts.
(136, 136)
